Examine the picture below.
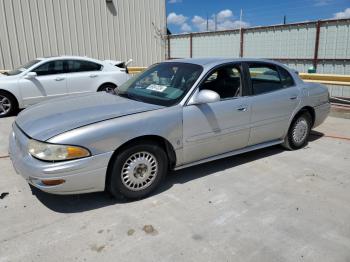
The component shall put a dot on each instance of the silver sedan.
(173, 115)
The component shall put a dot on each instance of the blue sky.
(191, 15)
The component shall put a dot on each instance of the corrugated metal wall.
(180, 47)
(335, 40)
(280, 42)
(218, 45)
(119, 30)
(292, 44)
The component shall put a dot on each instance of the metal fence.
(323, 44)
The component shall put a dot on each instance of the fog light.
(53, 182)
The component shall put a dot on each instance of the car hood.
(6, 77)
(56, 116)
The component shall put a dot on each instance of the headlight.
(53, 152)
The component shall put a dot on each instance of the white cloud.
(197, 20)
(322, 2)
(224, 15)
(344, 14)
(186, 28)
(229, 24)
(201, 24)
(174, 1)
(175, 19)
(225, 21)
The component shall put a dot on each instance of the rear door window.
(286, 78)
(82, 66)
(265, 78)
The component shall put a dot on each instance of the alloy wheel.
(109, 89)
(300, 130)
(139, 171)
(5, 105)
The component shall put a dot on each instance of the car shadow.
(315, 135)
(91, 201)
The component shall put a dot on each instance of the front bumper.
(81, 176)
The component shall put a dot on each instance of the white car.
(45, 78)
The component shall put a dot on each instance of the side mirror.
(30, 75)
(204, 97)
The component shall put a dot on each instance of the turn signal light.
(53, 182)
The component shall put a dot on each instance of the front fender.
(109, 135)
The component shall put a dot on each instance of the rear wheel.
(138, 170)
(8, 104)
(299, 132)
(108, 88)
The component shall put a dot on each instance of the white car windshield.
(22, 68)
(162, 84)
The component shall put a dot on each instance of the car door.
(49, 82)
(216, 128)
(274, 97)
(83, 76)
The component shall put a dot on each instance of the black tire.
(108, 88)
(299, 132)
(8, 104)
(118, 183)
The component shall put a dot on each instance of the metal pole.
(241, 42)
(190, 45)
(168, 47)
(207, 22)
(216, 23)
(317, 42)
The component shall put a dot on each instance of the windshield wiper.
(5, 73)
(127, 95)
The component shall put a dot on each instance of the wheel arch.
(308, 109)
(106, 83)
(161, 141)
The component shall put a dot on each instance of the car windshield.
(162, 84)
(22, 68)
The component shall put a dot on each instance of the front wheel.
(8, 104)
(299, 132)
(138, 170)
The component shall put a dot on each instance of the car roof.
(213, 61)
(49, 58)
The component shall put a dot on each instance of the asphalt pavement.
(268, 205)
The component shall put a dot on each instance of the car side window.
(226, 81)
(50, 68)
(286, 78)
(82, 66)
(264, 78)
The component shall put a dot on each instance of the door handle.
(242, 108)
(59, 78)
(93, 75)
(293, 97)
